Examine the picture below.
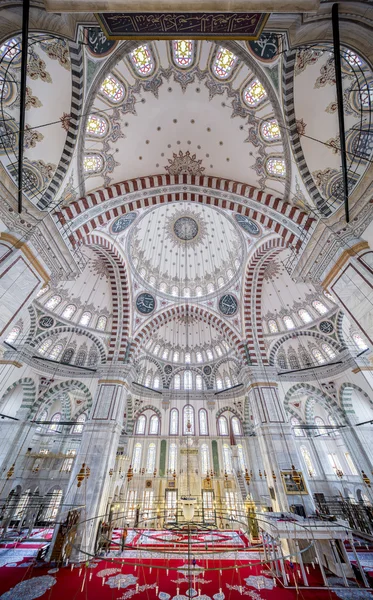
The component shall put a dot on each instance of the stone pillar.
(21, 277)
(97, 451)
(350, 281)
(276, 441)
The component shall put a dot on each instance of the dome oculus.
(186, 228)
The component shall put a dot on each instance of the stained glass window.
(154, 425)
(182, 53)
(176, 355)
(236, 426)
(272, 326)
(270, 130)
(318, 356)
(218, 350)
(141, 422)
(53, 302)
(172, 458)
(361, 345)
(69, 311)
(96, 126)
(45, 347)
(282, 360)
(199, 382)
(298, 431)
(150, 460)
(330, 353)
(174, 421)
(305, 316)
(93, 163)
(254, 94)
(78, 428)
(203, 428)
(353, 59)
(219, 383)
(188, 380)
(307, 461)
(177, 382)
(13, 334)
(55, 420)
(112, 89)
(227, 459)
(165, 354)
(56, 352)
(199, 357)
(142, 60)
(10, 49)
(156, 350)
(188, 419)
(205, 459)
(276, 166)
(223, 426)
(224, 62)
(85, 319)
(101, 323)
(187, 357)
(350, 463)
(366, 95)
(289, 323)
(241, 458)
(148, 500)
(136, 458)
(156, 382)
(320, 425)
(320, 307)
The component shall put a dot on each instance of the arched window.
(270, 130)
(112, 89)
(81, 358)
(53, 506)
(199, 382)
(305, 316)
(188, 380)
(56, 351)
(10, 49)
(307, 461)
(165, 354)
(219, 383)
(203, 422)
(209, 354)
(275, 166)
(172, 457)
(254, 93)
(305, 357)
(188, 420)
(96, 126)
(43, 417)
(182, 53)
(156, 350)
(288, 321)
(42, 291)
(218, 350)
(45, 346)
(241, 458)
(141, 424)
(330, 353)
(13, 334)
(93, 163)
(224, 62)
(298, 431)
(199, 358)
(78, 428)
(85, 319)
(93, 357)
(176, 355)
(101, 323)
(281, 359)
(142, 60)
(359, 342)
(319, 426)
(187, 357)
(154, 425)
(156, 382)
(69, 311)
(320, 307)
(54, 427)
(293, 360)
(227, 381)
(223, 426)
(177, 382)
(318, 356)
(353, 59)
(205, 459)
(227, 459)
(136, 458)
(272, 326)
(53, 302)
(150, 459)
(236, 426)
(67, 355)
(174, 421)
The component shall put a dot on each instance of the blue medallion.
(247, 224)
(228, 305)
(145, 303)
(123, 222)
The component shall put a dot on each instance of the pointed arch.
(345, 397)
(315, 395)
(308, 333)
(29, 392)
(65, 329)
(48, 398)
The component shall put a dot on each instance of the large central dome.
(186, 250)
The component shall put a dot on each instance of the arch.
(29, 392)
(71, 329)
(287, 220)
(345, 397)
(293, 334)
(47, 399)
(168, 314)
(148, 407)
(231, 409)
(316, 395)
(187, 367)
(153, 360)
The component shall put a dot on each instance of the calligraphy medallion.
(145, 303)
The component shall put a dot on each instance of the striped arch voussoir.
(294, 334)
(64, 386)
(316, 395)
(29, 392)
(345, 397)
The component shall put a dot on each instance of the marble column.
(97, 451)
(275, 437)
